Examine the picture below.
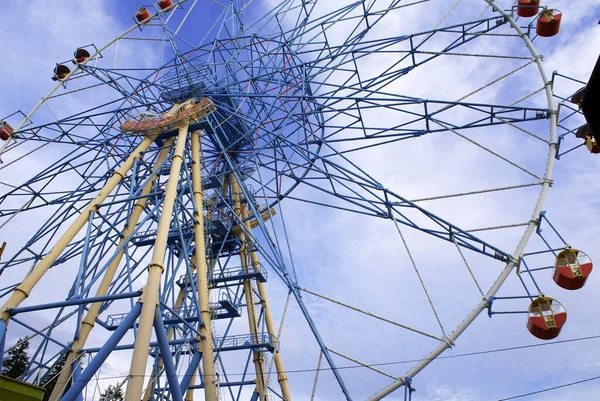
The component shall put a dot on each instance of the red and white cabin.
(546, 316)
(571, 269)
(5, 130)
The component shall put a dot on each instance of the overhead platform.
(246, 341)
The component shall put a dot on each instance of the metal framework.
(162, 198)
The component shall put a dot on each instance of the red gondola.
(142, 14)
(585, 132)
(164, 4)
(5, 130)
(548, 23)
(546, 317)
(592, 145)
(60, 72)
(80, 56)
(571, 269)
(527, 8)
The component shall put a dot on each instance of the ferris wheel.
(228, 191)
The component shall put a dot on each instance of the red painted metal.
(527, 8)
(142, 14)
(546, 318)
(60, 72)
(548, 23)
(165, 3)
(592, 145)
(80, 56)
(5, 130)
(571, 269)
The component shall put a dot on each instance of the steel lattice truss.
(301, 92)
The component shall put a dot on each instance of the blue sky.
(360, 260)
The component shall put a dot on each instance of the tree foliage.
(112, 393)
(16, 361)
(51, 377)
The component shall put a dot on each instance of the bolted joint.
(142, 297)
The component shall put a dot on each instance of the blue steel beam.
(103, 353)
(74, 301)
(167, 358)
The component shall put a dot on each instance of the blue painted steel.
(46, 336)
(492, 299)
(3, 327)
(93, 350)
(74, 301)
(197, 317)
(543, 216)
(228, 384)
(408, 390)
(191, 370)
(167, 357)
(539, 291)
(319, 339)
(553, 250)
(103, 353)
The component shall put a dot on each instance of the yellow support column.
(149, 298)
(205, 344)
(24, 289)
(262, 291)
(281, 376)
(258, 359)
(89, 321)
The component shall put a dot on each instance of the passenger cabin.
(165, 4)
(80, 56)
(571, 269)
(60, 72)
(588, 100)
(548, 23)
(585, 132)
(546, 316)
(142, 14)
(5, 130)
(527, 8)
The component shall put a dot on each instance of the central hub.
(180, 115)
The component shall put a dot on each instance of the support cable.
(482, 191)
(417, 272)
(550, 388)
(363, 364)
(312, 395)
(285, 309)
(468, 267)
(486, 149)
(497, 227)
(354, 308)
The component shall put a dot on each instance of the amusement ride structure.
(159, 194)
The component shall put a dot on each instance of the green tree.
(51, 377)
(112, 393)
(16, 362)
